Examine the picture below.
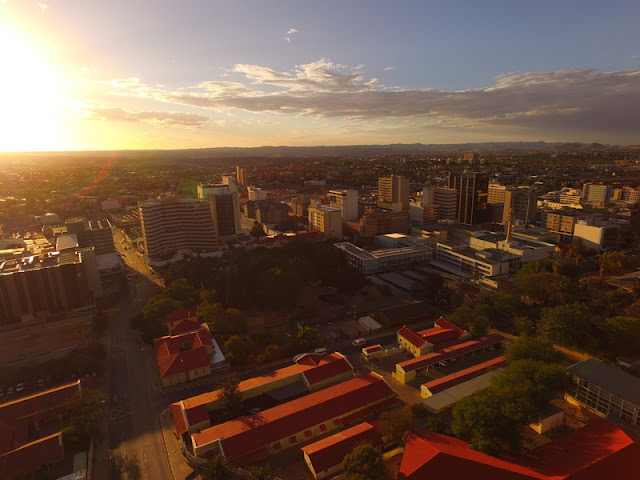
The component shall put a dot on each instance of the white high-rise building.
(347, 202)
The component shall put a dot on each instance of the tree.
(262, 473)
(257, 230)
(308, 337)
(85, 406)
(365, 463)
(613, 261)
(230, 398)
(398, 423)
(235, 349)
(430, 286)
(565, 324)
(533, 348)
(158, 306)
(216, 468)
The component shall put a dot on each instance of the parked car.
(10, 391)
(41, 383)
(359, 342)
(1, 392)
(20, 387)
(320, 351)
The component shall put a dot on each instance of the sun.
(32, 98)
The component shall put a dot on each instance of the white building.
(326, 219)
(602, 237)
(256, 193)
(347, 202)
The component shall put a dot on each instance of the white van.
(359, 342)
(320, 351)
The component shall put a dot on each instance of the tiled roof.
(250, 433)
(609, 378)
(440, 384)
(598, 451)
(412, 337)
(330, 451)
(31, 456)
(373, 348)
(446, 324)
(37, 404)
(185, 313)
(437, 335)
(173, 364)
(330, 366)
(179, 418)
(450, 352)
(185, 326)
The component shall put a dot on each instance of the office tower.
(446, 199)
(223, 211)
(173, 224)
(596, 194)
(326, 219)
(522, 202)
(469, 185)
(497, 193)
(393, 193)
(428, 195)
(41, 286)
(256, 193)
(93, 233)
(346, 201)
(241, 176)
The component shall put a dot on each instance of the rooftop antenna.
(509, 224)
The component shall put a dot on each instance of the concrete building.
(171, 225)
(524, 249)
(458, 258)
(605, 390)
(225, 207)
(423, 214)
(267, 212)
(94, 233)
(387, 259)
(346, 201)
(326, 219)
(380, 222)
(393, 193)
(496, 193)
(521, 204)
(606, 236)
(596, 195)
(44, 286)
(446, 199)
(241, 176)
(469, 185)
(256, 193)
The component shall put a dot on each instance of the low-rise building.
(252, 438)
(442, 335)
(326, 219)
(383, 260)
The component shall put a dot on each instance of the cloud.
(43, 6)
(571, 101)
(113, 114)
(292, 31)
(387, 69)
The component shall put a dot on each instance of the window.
(307, 433)
(293, 440)
(276, 446)
(323, 427)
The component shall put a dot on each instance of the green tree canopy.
(533, 348)
(565, 324)
(613, 261)
(365, 463)
(624, 334)
(308, 337)
(230, 398)
(398, 423)
(86, 407)
(235, 349)
(216, 468)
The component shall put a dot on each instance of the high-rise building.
(40, 286)
(496, 194)
(346, 201)
(469, 185)
(241, 176)
(93, 233)
(596, 194)
(224, 201)
(522, 202)
(172, 224)
(256, 193)
(393, 193)
(446, 199)
(326, 219)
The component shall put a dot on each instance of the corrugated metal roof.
(609, 378)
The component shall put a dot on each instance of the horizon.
(252, 74)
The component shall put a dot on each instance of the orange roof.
(171, 360)
(446, 324)
(330, 451)
(598, 451)
(329, 366)
(250, 433)
(185, 326)
(31, 456)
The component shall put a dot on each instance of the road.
(136, 401)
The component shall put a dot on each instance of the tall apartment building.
(172, 224)
(496, 193)
(468, 185)
(326, 219)
(256, 193)
(393, 193)
(241, 176)
(596, 194)
(42, 286)
(428, 195)
(522, 202)
(446, 199)
(630, 195)
(346, 201)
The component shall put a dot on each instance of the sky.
(167, 74)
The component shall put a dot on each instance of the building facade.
(326, 219)
(346, 201)
(393, 192)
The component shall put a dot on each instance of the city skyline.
(115, 75)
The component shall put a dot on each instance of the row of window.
(293, 439)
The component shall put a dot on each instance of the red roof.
(330, 366)
(330, 451)
(446, 324)
(179, 418)
(183, 314)
(185, 326)
(196, 415)
(412, 337)
(450, 352)
(373, 348)
(246, 434)
(172, 361)
(440, 384)
(598, 451)
(438, 337)
(31, 456)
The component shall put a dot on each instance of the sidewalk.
(179, 467)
